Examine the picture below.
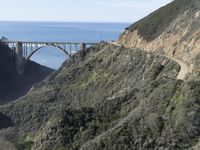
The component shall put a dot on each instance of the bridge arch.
(47, 45)
(23, 50)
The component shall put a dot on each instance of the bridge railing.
(23, 50)
(29, 47)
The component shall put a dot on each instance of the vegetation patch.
(153, 25)
(94, 77)
(178, 97)
(25, 143)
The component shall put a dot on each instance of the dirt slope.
(173, 29)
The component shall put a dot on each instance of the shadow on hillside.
(5, 122)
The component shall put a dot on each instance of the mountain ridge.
(173, 29)
(113, 97)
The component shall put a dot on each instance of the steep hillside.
(173, 29)
(110, 98)
(12, 85)
(123, 97)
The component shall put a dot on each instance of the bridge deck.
(23, 50)
(46, 42)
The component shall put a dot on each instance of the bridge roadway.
(23, 50)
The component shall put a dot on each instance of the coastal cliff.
(120, 96)
(173, 29)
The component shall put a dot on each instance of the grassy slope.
(154, 24)
(109, 98)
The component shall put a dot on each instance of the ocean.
(59, 32)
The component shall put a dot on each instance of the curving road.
(184, 70)
(184, 67)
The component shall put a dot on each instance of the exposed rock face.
(109, 97)
(13, 85)
(174, 29)
(116, 98)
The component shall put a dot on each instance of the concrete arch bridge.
(23, 50)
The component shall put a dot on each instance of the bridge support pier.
(23, 50)
(19, 62)
(82, 46)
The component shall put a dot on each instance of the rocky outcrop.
(173, 29)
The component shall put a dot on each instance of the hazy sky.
(78, 10)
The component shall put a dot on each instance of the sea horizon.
(40, 21)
